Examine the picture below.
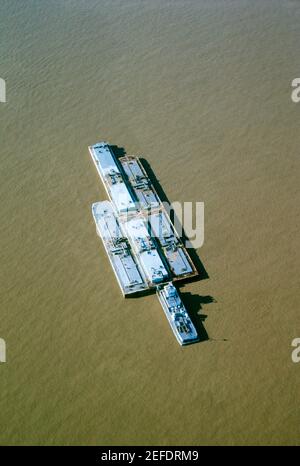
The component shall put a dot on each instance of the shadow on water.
(118, 151)
(193, 303)
(203, 275)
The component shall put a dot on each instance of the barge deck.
(142, 244)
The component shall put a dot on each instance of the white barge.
(140, 240)
(112, 177)
(129, 275)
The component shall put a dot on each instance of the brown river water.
(202, 90)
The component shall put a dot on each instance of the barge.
(142, 244)
(130, 276)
